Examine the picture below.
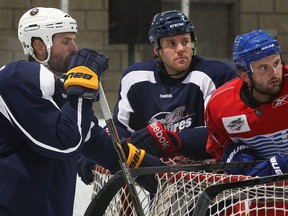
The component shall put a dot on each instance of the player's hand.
(279, 164)
(134, 155)
(84, 171)
(157, 141)
(139, 158)
(276, 165)
(84, 71)
(241, 152)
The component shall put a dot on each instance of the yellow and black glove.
(135, 156)
(84, 71)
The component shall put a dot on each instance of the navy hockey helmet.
(169, 23)
(253, 46)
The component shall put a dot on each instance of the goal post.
(178, 193)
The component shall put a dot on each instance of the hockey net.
(178, 192)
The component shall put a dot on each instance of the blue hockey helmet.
(253, 46)
(169, 23)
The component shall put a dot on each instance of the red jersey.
(229, 119)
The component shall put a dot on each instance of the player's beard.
(59, 64)
(268, 92)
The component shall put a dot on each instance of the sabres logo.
(236, 125)
(34, 11)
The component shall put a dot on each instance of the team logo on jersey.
(280, 101)
(236, 124)
(175, 121)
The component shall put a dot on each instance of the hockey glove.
(157, 141)
(134, 156)
(139, 158)
(276, 165)
(240, 152)
(84, 71)
(84, 171)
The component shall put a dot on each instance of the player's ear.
(244, 75)
(39, 49)
(156, 50)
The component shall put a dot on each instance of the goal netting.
(178, 193)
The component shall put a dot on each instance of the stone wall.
(269, 15)
(216, 24)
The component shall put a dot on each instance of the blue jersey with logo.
(41, 138)
(147, 94)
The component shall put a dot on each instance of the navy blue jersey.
(40, 142)
(147, 94)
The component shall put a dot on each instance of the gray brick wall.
(216, 24)
(269, 15)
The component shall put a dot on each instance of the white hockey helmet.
(43, 23)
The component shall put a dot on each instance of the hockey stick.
(101, 201)
(117, 145)
(211, 192)
(199, 167)
(103, 198)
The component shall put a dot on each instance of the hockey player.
(161, 102)
(238, 111)
(246, 117)
(47, 120)
(169, 92)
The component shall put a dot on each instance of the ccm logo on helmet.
(158, 132)
(80, 75)
(176, 25)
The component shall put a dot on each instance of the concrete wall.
(216, 24)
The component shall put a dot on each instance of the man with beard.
(239, 114)
(47, 120)
(161, 102)
(246, 118)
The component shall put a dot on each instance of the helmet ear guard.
(251, 47)
(169, 23)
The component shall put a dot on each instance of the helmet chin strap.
(44, 62)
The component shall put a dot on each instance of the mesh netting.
(177, 194)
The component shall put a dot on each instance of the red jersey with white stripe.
(264, 128)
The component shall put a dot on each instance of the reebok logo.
(165, 95)
(280, 101)
(158, 132)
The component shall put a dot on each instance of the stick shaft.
(117, 145)
(195, 168)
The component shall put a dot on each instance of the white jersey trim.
(204, 82)
(129, 80)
